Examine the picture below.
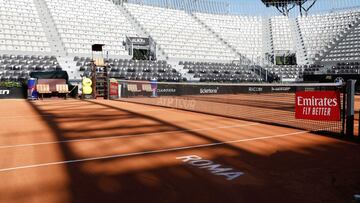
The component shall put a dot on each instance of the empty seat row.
(20, 28)
(19, 67)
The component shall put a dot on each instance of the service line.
(150, 152)
(54, 115)
(126, 136)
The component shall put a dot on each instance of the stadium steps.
(68, 64)
(301, 56)
(243, 59)
(160, 54)
(268, 46)
(340, 38)
(55, 42)
(138, 28)
(184, 72)
(212, 32)
(52, 34)
(294, 39)
(133, 21)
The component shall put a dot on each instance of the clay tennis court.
(114, 151)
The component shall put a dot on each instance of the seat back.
(52, 83)
(43, 88)
(62, 88)
(146, 87)
(132, 88)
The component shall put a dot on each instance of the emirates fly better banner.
(318, 105)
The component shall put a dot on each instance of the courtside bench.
(53, 87)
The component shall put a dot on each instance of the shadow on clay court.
(259, 115)
(265, 104)
(286, 175)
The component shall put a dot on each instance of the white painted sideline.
(53, 115)
(149, 152)
(126, 136)
(13, 99)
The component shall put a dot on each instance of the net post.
(350, 93)
(358, 132)
(108, 88)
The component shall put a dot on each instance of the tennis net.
(265, 103)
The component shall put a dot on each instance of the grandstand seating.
(348, 49)
(312, 69)
(18, 67)
(21, 29)
(345, 68)
(179, 35)
(209, 43)
(221, 72)
(81, 23)
(320, 31)
(134, 69)
(286, 71)
(243, 33)
(282, 34)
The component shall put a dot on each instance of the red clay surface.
(274, 109)
(112, 151)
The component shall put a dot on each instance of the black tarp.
(56, 75)
(50, 75)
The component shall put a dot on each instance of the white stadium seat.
(180, 36)
(17, 25)
(176, 31)
(79, 26)
(319, 31)
(244, 33)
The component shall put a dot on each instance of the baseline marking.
(53, 115)
(126, 136)
(149, 152)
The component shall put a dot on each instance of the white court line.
(3, 100)
(125, 136)
(149, 152)
(33, 116)
(53, 115)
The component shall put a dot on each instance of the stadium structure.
(179, 101)
(284, 7)
(176, 41)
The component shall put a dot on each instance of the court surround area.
(115, 151)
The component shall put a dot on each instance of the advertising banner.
(12, 93)
(318, 105)
(139, 41)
